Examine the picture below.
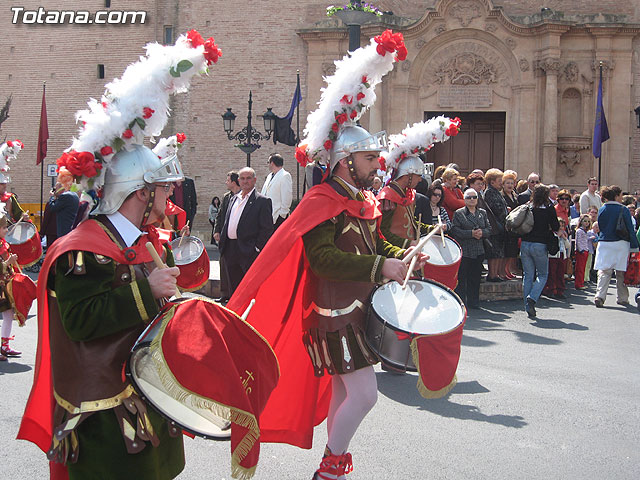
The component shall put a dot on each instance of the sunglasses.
(534, 182)
(167, 188)
(564, 198)
(434, 194)
(471, 198)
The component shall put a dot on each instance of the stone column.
(551, 68)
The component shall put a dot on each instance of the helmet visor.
(373, 143)
(169, 171)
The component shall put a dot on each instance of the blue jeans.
(535, 264)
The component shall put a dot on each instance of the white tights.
(353, 395)
(7, 323)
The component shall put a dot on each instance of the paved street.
(557, 398)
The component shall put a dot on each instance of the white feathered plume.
(8, 152)
(419, 138)
(167, 147)
(350, 91)
(137, 104)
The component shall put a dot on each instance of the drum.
(193, 261)
(397, 316)
(25, 243)
(444, 261)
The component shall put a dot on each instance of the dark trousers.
(236, 265)
(279, 222)
(555, 281)
(469, 281)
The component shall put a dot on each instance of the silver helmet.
(131, 170)
(353, 138)
(409, 166)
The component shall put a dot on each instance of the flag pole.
(298, 138)
(44, 88)
(600, 157)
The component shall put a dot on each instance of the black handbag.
(553, 244)
(621, 227)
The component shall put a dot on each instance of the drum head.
(198, 421)
(423, 307)
(20, 233)
(188, 251)
(447, 254)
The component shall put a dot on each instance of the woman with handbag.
(615, 240)
(534, 250)
(511, 240)
(497, 213)
(470, 228)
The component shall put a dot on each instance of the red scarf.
(276, 280)
(392, 195)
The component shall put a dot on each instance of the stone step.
(509, 290)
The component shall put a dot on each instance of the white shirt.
(279, 188)
(236, 212)
(127, 230)
(588, 200)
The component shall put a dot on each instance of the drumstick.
(421, 244)
(246, 312)
(159, 264)
(182, 237)
(410, 270)
(444, 245)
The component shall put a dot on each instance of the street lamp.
(249, 137)
(637, 110)
(354, 19)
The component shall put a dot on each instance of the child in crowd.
(555, 286)
(584, 248)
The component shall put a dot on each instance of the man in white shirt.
(247, 228)
(590, 197)
(279, 188)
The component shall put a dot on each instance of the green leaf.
(173, 72)
(184, 65)
(117, 144)
(141, 123)
(131, 124)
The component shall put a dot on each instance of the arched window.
(571, 113)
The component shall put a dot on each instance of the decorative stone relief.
(421, 42)
(571, 72)
(587, 85)
(549, 66)
(441, 28)
(511, 43)
(607, 66)
(523, 63)
(466, 11)
(569, 159)
(328, 68)
(406, 66)
(491, 27)
(466, 69)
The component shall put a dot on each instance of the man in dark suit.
(184, 195)
(532, 180)
(64, 204)
(234, 187)
(247, 227)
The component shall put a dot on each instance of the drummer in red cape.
(99, 289)
(317, 271)
(397, 198)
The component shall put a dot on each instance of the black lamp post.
(637, 110)
(354, 19)
(249, 137)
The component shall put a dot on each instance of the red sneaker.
(6, 350)
(330, 468)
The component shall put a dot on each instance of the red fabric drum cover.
(22, 293)
(25, 243)
(444, 261)
(632, 275)
(193, 261)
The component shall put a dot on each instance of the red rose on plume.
(335, 127)
(211, 51)
(353, 114)
(457, 121)
(195, 38)
(391, 42)
(328, 144)
(401, 53)
(301, 155)
(127, 133)
(341, 119)
(180, 137)
(347, 99)
(81, 163)
(360, 96)
(104, 105)
(104, 151)
(364, 79)
(20, 143)
(383, 165)
(147, 112)
(9, 143)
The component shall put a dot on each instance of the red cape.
(37, 421)
(173, 209)
(388, 193)
(276, 280)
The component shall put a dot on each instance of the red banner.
(43, 134)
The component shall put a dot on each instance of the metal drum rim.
(190, 238)
(459, 257)
(28, 225)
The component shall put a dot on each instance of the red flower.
(147, 112)
(364, 79)
(328, 144)
(195, 38)
(79, 163)
(127, 133)
(401, 53)
(9, 143)
(211, 51)
(301, 155)
(104, 151)
(341, 119)
(457, 121)
(20, 143)
(353, 114)
(347, 99)
(383, 165)
(335, 127)
(360, 96)
(104, 105)
(180, 137)
(389, 42)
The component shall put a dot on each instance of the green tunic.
(91, 308)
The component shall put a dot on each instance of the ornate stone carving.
(569, 159)
(607, 66)
(441, 28)
(466, 11)
(571, 72)
(466, 69)
(421, 42)
(523, 63)
(328, 68)
(511, 43)
(491, 27)
(406, 66)
(549, 66)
